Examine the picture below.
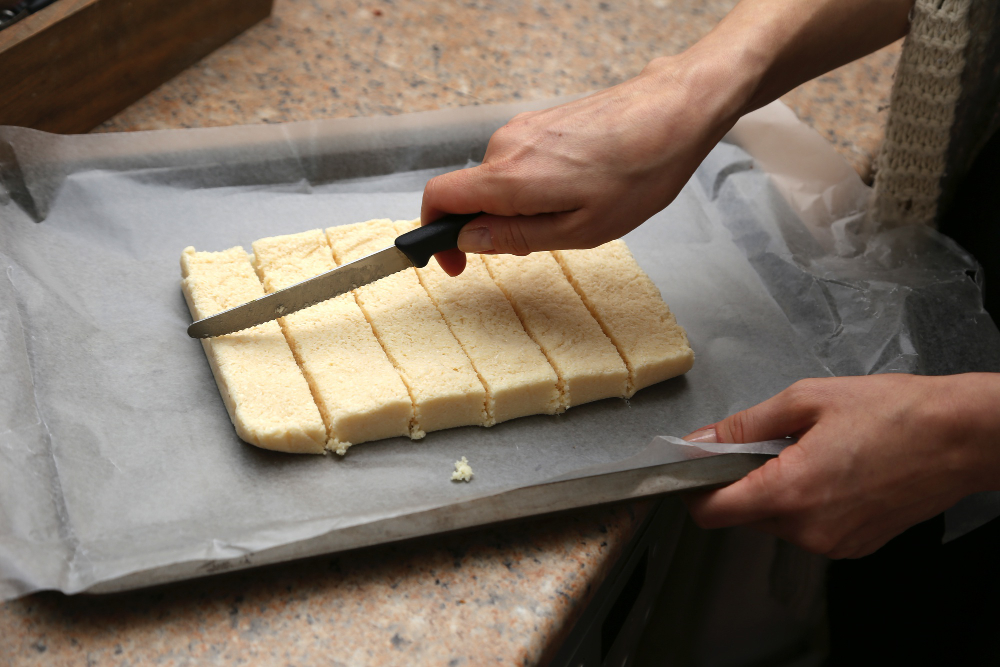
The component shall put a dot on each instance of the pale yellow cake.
(443, 385)
(519, 380)
(359, 393)
(588, 365)
(265, 393)
(630, 310)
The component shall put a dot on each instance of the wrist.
(731, 62)
(969, 407)
(715, 91)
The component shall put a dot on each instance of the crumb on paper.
(463, 472)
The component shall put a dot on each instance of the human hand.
(875, 455)
(586, 172)
(589, 171)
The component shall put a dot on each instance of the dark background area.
(973, 219)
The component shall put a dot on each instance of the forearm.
(588, 171)
(764, 48)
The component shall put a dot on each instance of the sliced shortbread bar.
(265, 393)
(552, 313)
(333, 343)
(444, 387)
(627, 304)
(518, 379)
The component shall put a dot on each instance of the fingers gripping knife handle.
(442, 234)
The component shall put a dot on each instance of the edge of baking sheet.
(35, 164)
(526, 502)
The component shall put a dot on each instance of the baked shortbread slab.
(334, 346)
(443, 385)
(588, 365)
(630, 310)
(519, 380)
(265, 393)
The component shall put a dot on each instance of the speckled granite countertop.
(502, 595)
(329, 58)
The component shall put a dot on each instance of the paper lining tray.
(119, 467)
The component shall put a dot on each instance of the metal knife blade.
(304, 294)
(414, 248)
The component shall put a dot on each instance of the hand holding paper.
(875, 455)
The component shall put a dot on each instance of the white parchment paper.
(119, 466)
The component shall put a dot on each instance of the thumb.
(521, 234)
(793, 410)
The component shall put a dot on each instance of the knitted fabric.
(921, 113)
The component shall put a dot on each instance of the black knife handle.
(442, 234)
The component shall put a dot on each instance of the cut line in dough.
(331, 342)
(552, 313)
(265, 393)
(631, 312)
(518, 378)
(442, 383)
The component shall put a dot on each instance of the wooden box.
(76, 63)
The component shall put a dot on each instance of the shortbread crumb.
(463, 471)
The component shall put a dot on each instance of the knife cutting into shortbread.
(412, 249)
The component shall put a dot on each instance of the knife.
(414, 248)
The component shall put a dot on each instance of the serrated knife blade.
(301, 295)
(414, 248)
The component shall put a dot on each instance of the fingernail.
(706, 434)
(475, 239)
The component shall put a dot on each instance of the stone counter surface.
(503, 595)
(499, 595)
